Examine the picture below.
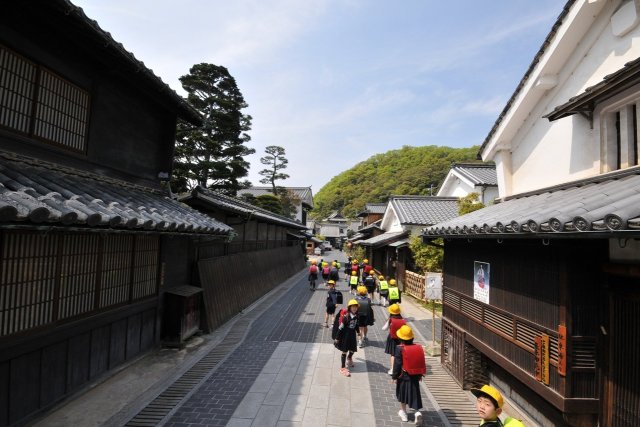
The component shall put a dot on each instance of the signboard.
(433, 288)
(542, 358)
(481, 281)
(562, 350)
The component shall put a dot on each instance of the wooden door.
(621, 402)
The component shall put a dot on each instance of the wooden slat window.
(53, 277)
(27, 281)
(61, 111)
(78, 274)
(145, 273)
(116, 270)
(17, 85)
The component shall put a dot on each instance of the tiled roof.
(545, 44)
(68, 12)
(384, 238)
(424, 210)
(611, 85)
(604, 204)
(478, 173)
(40, 193)
(304, 193)
(373, 208)
(232, 204)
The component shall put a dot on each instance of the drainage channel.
(159, 408)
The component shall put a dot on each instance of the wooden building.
(405, 216)
(89, 239)
(541, 295)
(371, 213)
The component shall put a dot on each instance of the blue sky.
(337, 81)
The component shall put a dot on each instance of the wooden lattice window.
(53, 277)
(39, 103)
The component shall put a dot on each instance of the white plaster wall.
(546, 153)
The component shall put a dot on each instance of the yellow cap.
(366, 261)
(405, 333)
(394, 309)
(354, 273)
(381, 277)
(490, 392)
(314, 262)
(352, 302)
(392, 281)
(362, 290)
(331, 282)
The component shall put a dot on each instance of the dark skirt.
(347, 341)
(408, 390)
(390, 347)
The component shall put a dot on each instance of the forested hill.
(408, 171)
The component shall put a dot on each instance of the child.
(313, 275)
(383, 288)
(489, 407)
(334, 272)
(346, 335)
(394, 323)
(365, 314)
(334, 298)
(369, 282)
(325, 271)
(408, 368)
(353, 283)
(394, 293)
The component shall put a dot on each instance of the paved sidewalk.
(284, 372)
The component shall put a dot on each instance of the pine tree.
(213, 155)
(276, 161)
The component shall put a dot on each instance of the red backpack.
(413, 362)
(313, 269)
(395, 324)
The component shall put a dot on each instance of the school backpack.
(313, 269)
(363, 306)
(413, 362)
(336, 323)
(325, 270)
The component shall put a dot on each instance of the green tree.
(276, 160)
(469, 203)
(269, 202)
(289, 201)
(426, 257)
(212, 155)
(407, 171)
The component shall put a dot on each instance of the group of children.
(407, 359)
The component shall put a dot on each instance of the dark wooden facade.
(536, 286)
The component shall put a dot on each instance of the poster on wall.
(481, 281)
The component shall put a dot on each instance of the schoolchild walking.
(334, 299)
(325, 271)
(408, 369)
(383, 289)
(365, 315)
(395, 296)
(393, 323)
(334, 272)
(313, 275)
(346, 334)
(353, 283)
(369, 282)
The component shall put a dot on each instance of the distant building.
(303, 205)
(466, 178)
(371, 213)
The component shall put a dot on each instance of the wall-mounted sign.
(542, 358)
(481, 281)
(562, 350)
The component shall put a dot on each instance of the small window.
(37, 102)
(619, 133)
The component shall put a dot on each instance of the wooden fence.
(232, 283)
(414, 285)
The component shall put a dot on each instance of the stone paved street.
(285, 373)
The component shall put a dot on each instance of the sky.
(335, 82)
